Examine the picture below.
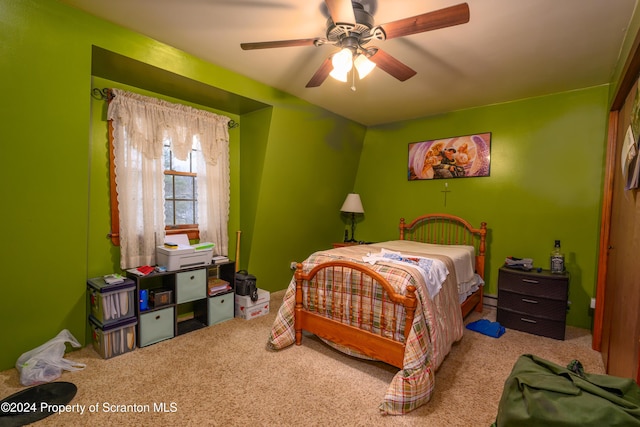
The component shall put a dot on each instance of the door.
(622, 297)
(619, 271)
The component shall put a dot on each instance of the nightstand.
(533, 302)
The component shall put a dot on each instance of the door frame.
(630, 75)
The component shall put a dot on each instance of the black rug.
(35, 403)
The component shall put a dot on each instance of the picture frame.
(465, 156)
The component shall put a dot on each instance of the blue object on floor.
(486, 327)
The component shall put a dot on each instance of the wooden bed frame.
(441, 229)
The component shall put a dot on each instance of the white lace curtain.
(141, 125)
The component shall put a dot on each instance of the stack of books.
(217, 286)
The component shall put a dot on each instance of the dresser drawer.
(191, 285)
(543, 285)
(551, 309)
(156, 326)
(531, 324)
(220, 308)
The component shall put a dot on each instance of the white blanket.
(463, 256)
(433, 271)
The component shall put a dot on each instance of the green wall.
(547, 157)
(305, 175)
(44, 79)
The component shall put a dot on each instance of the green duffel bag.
(541, 393)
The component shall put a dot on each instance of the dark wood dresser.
(533, 302)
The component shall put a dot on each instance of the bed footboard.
(353, 306)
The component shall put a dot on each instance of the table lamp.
(352, 205)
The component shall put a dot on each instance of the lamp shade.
(342, 61)
(336, 74)
(342, 64)
(364, 66)
(352, 204)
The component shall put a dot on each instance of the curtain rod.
(105, 94)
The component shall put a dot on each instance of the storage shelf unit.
(533, 302)
(190, 307)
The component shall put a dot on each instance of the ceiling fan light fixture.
(340, 76)
(363, 65)
(343, 61)
(350, 26)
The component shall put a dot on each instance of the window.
(153, 194)
(181, 194)
(180, 191)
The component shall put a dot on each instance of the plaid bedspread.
(437, 325)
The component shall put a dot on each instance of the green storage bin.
(191, 285)
(156, 326)
(220, 308)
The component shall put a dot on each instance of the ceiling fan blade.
(341, 11)
(278, 43)
(447, 17)
(320, 76)
(392, 66)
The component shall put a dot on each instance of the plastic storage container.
(113, 339)
(247, 309)
(111, 303)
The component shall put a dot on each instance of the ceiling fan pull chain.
(353, 79)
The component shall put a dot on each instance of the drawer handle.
(221, 301)
(528, 320)
(157, 317)
(530, 281)
(530, 301)
(193, 277)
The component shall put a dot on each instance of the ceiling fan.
(351, 28)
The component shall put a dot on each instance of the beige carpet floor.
(223, 376)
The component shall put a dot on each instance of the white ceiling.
(510, 49)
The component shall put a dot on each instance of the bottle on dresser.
(557, 259)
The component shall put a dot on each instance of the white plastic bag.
(45, 363)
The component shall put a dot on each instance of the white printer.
(177, 253)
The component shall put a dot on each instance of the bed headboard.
(446, 229)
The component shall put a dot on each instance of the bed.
(401, 302)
